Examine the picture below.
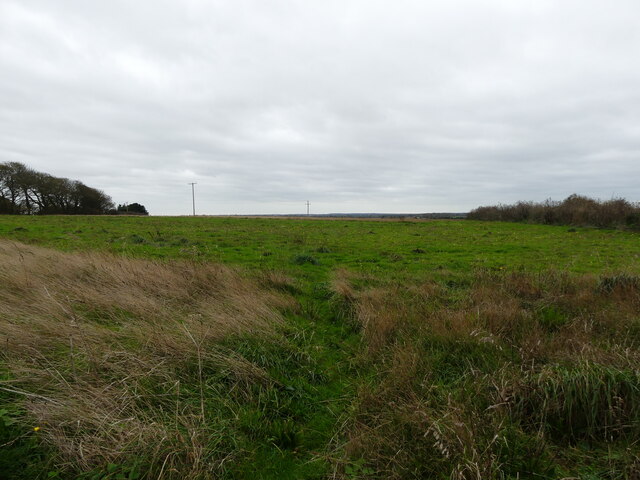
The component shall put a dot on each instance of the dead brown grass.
(534, 313)
(105, 352)
(457, 364)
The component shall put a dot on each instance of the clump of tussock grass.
(305, 258)
(378, 324)
(621, 283)
(122, 360)
(279, 280)
(137, 239)
(408, 435)
(583, 401)
(342, 294)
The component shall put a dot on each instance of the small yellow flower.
(35, 429)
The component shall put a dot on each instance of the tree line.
(574, 210)
(26, 191)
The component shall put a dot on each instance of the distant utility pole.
(193, 196)
(308, 207)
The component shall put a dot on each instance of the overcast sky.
(354, 105)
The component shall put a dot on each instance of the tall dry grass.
(498, 378)
(112, 356)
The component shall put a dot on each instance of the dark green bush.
(305, 258)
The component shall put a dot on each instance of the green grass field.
(388, 247)
(427, 349)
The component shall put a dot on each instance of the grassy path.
(291, 431)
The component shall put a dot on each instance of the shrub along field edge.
(574, 210)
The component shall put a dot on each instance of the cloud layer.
(357, 105)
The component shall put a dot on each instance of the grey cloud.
(356, 105)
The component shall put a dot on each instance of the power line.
(193, 196)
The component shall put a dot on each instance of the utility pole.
(308, 207)
(193, 196)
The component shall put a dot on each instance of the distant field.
(391, 247)
(341, 349)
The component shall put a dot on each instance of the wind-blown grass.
(121, 361)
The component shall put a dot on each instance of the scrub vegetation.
(149, 347)
(573, 210)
